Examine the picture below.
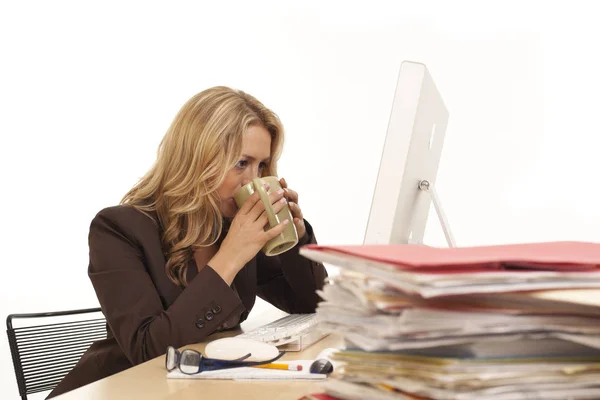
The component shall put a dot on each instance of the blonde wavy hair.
(202, 144)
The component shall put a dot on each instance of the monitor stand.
(426, 186)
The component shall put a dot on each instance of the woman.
(177, 261)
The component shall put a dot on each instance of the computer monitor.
(408, 169)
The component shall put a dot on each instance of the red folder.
(545, 256)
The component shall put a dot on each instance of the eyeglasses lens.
(172, 358)
(190, 361)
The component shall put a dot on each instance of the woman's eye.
(241, 164)
(262, 166)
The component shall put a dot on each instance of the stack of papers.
(432, 272)
(464, 323)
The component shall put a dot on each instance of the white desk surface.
(148, 381)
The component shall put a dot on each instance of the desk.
(148, 381)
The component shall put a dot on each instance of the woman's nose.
(249, 175)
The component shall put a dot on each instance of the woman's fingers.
(273, 232)
(291, 195)
(278, 206)
(296, 210)
(249, 204)
(277, 203)
(257, 209)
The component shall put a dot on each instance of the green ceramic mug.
(289, 237)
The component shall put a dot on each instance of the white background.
(88, 89)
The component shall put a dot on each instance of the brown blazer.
(146, 312)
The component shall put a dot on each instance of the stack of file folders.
(503, 322)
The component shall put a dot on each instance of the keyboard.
(291, 333)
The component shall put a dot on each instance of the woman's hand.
(246, 235)
(292, 198)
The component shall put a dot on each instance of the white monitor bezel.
(411, 153)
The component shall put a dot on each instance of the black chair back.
(43, 354)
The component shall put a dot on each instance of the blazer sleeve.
(289, 281)
(131, 304)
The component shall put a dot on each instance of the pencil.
(288, 367)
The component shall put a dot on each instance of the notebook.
(256, 374)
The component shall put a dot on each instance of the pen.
(288, 367)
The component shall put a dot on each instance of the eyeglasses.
(192, 362)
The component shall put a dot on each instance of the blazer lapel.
(156, 260)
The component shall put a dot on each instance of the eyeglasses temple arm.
(211, 365)
(243, 357)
